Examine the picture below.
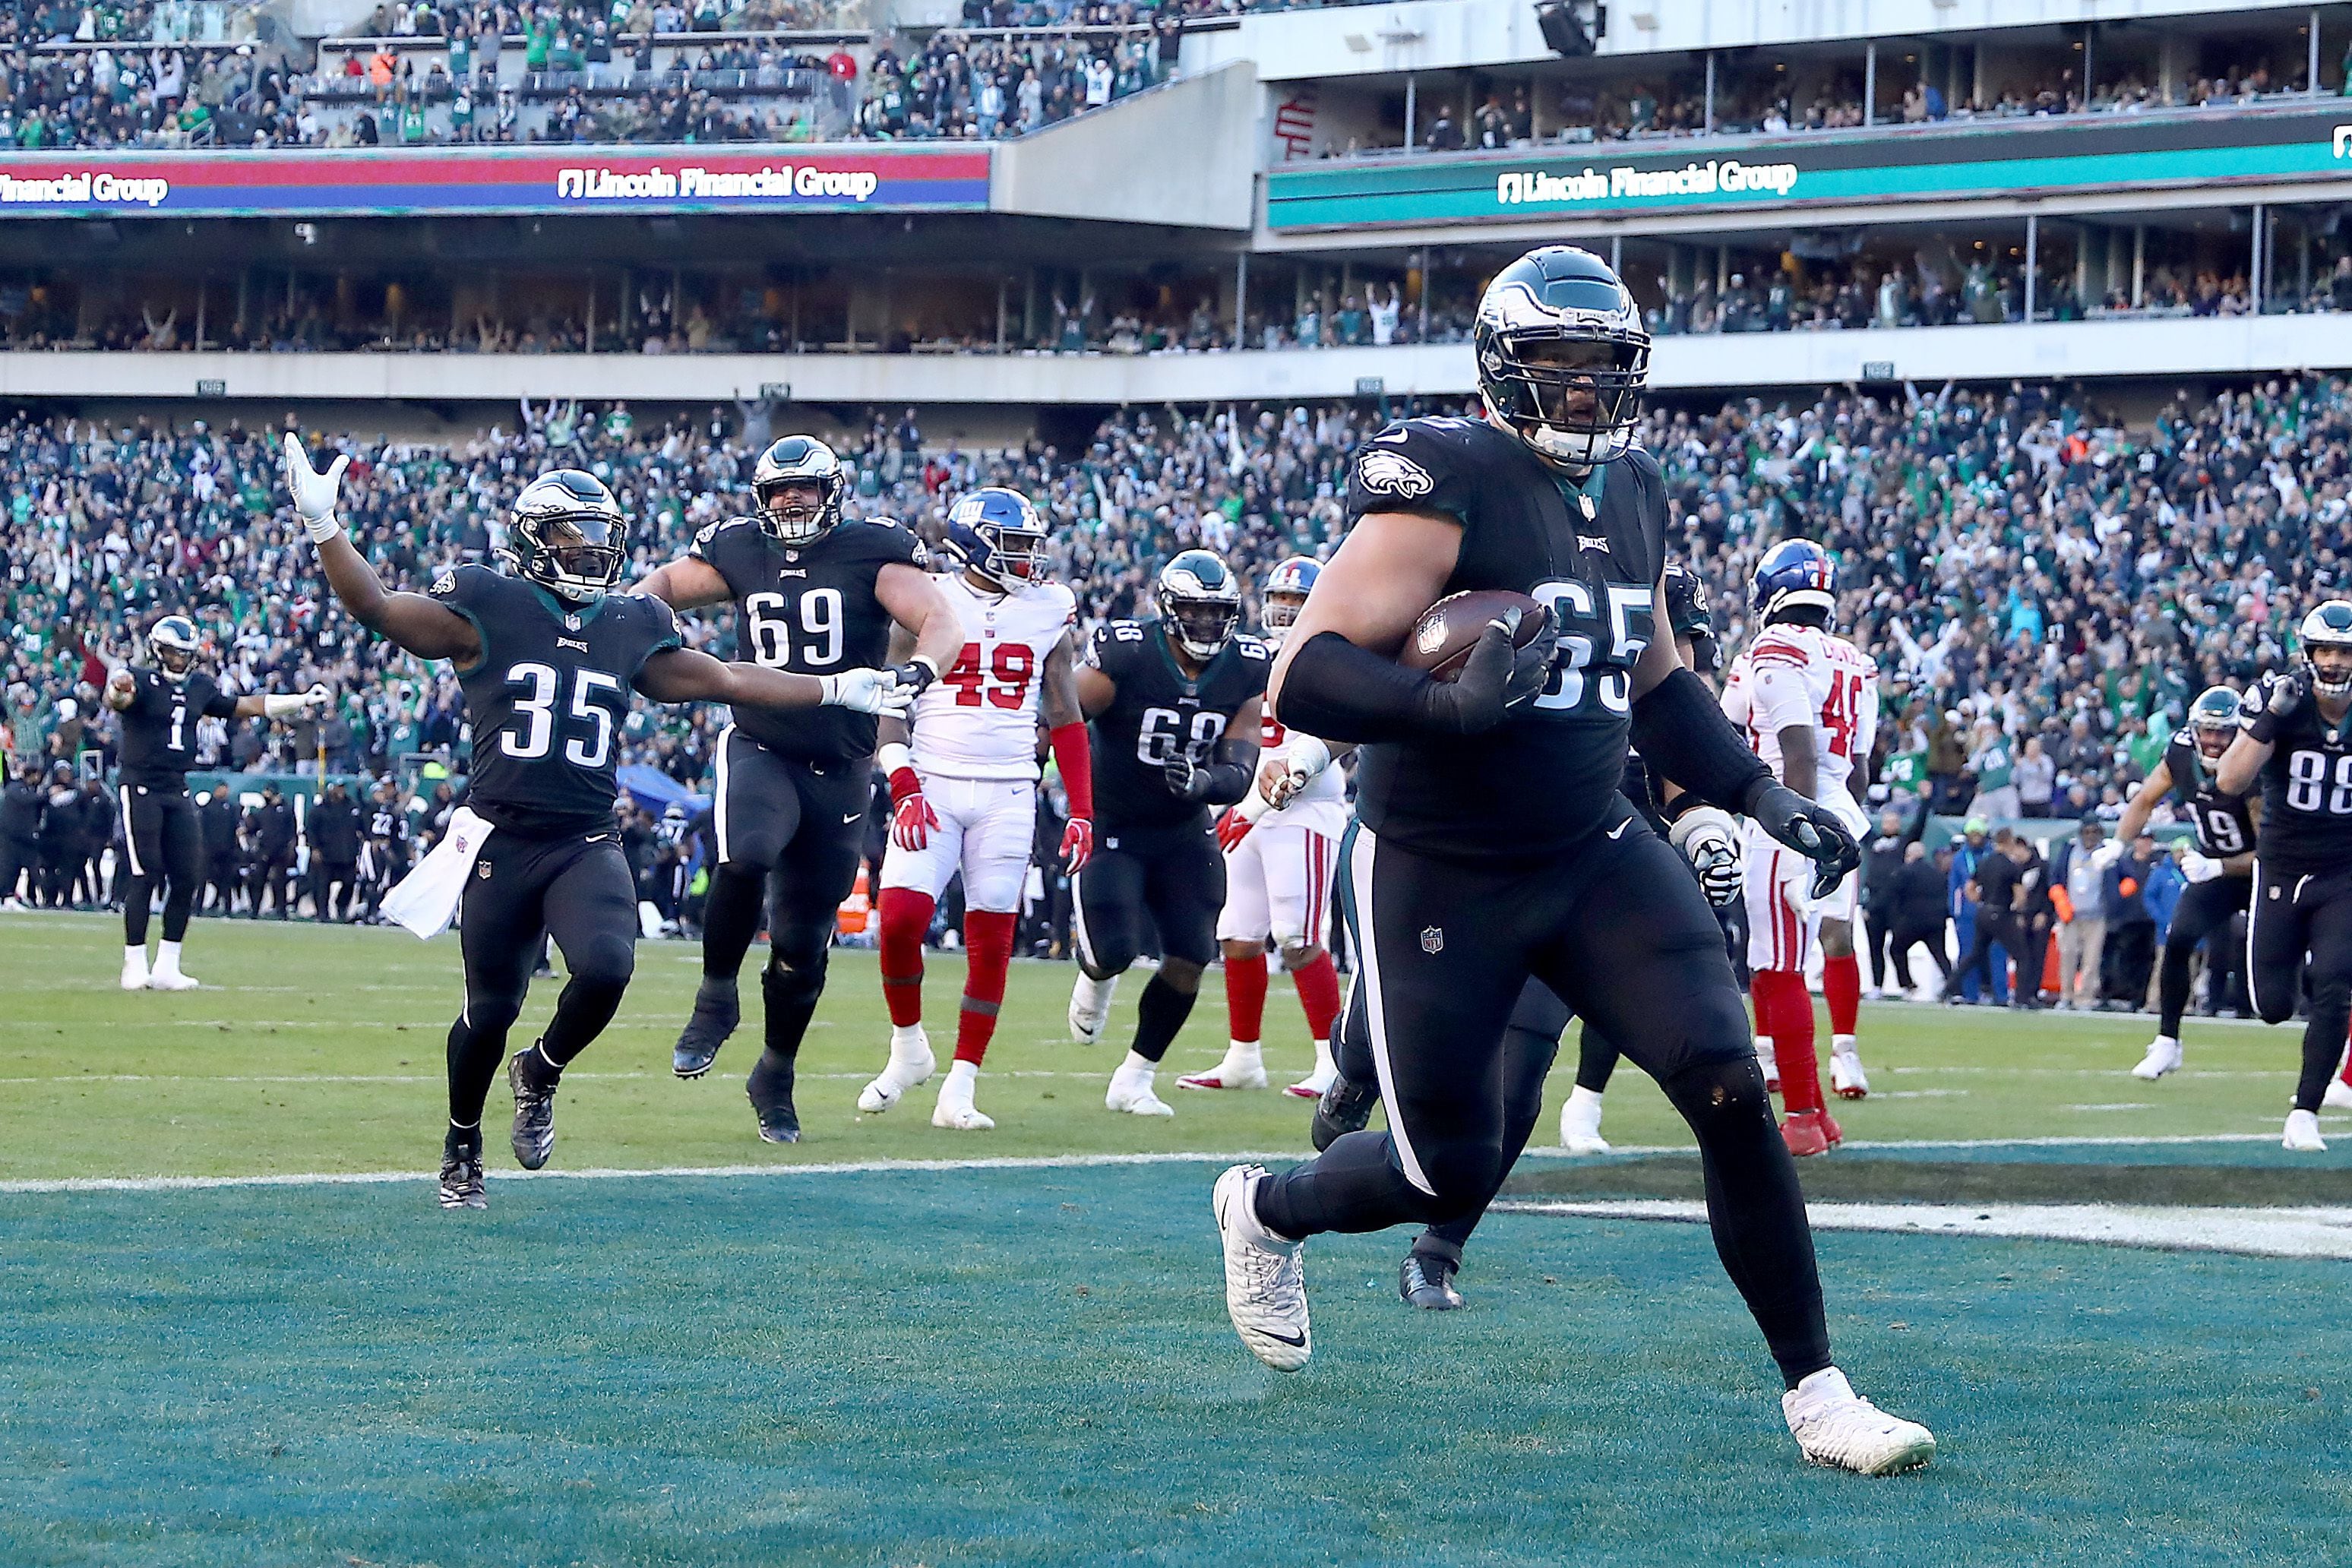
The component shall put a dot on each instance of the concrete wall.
(2191, 348)
(1186, 153)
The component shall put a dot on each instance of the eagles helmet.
(997, 536)
(1687, 613)
(2328, 626)
(1284, 594)
(1795, 574)
(1562, 355)
(799, 460)
(173, 641)
(568, 535)
(2213, 720)
(1200, 602)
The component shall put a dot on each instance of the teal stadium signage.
(2193, 148)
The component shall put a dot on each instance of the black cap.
(2093, 819)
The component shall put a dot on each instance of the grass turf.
(1032, 1365)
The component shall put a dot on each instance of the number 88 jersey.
(2306, 788)
(979, 719)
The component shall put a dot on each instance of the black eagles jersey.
(2224, 822)
(549, 697)
(387, 825)
(811, 610)
(2306, 788)
(1544, 776)
(159, 728)
(1158, 711)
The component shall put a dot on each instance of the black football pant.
(273, 878)
(334, 888)
(2004, 929)
(162, 842)
(1620, 933)
(2299, 916)
(1530, 1042)
(1906, 936)
(790, 834)
(2203, 912)
(1172, 877)
(523, 890)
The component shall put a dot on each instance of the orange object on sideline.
(2063, 904)
(2049, 981)
(855, 910)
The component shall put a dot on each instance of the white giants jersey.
(1322, 806)
(979, 718)
(1802, 675)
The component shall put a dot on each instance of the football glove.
(865, 691)
(2200, 868)
(1495, 680)
(314, 492)
(1186, 779)
(1077, 845)
(915, 675)
(912, 816)
(275, 706)
(1231, 829)
(1303, 761)
(2290, 687)
(1811, 830)
(1708, 839)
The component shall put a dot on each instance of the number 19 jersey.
(1159, 711)
(979, 719)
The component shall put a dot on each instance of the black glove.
(914, 675)
(1495, 680)
(1184, 781)
(1810, 829)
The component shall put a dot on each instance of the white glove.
(1304, 760)
(2107, 854)
(283, 707)
(2200, 868)
(1708, 839)
(314, 492)
(866, 691)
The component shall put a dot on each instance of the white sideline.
(2260, 1233)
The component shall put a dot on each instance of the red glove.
(912, 816)
(1231, 829)
(1077, 845)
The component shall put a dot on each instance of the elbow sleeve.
(1683, 735)
(1340, 692)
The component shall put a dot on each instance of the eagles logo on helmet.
(997, 535)
(173, 641)
(2328, 629)
(1562, 356)
(796, 461)
(1200, 602)
(568, 535)
(2213, 719)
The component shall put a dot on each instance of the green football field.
(238, 1330)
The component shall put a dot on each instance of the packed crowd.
(145, 22)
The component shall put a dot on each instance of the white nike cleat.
(1090, 1008)
(1580, 1123)
(1836, 1426)
(911, 1062)
(1769, 1062)
(1312, 1085)
(1847, 1081)
(1130, 1091)
(134, 969)
(2338, 1096)
(2302, 1133)
(955, 1110)
(171, 980)
(1243, 1068)
(1265, 1283)
(2163, 1056)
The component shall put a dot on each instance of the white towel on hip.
(425, 901)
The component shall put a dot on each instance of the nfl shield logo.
(1432, 940)
(572, 622)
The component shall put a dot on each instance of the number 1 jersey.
(810, 609)
(979, 719)
(549, 696)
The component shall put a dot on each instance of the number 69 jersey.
(812, 610)
(979, 719)
(549, 696)
(2306, 788)
(1794, 675)
(1158, 711)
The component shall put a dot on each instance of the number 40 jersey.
(979, 719)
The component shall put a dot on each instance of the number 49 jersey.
(2306, 788)
(1794, 675)
(1159, 711)
(549, 696)
(812, 610)
(979, 719)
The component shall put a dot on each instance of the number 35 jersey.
(810, 609)
(979, 718)
(2306, 788)
(1592, 553)
(549, 697)
(1160, 711)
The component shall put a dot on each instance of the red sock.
(1246, 995)
(905, 916)
(1842, 989)
(1792, 1030)
(988, 948)
(1318, 994)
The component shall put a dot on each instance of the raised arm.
(424, 629)
(685, 583)
(2241, 764)
(2142, 801)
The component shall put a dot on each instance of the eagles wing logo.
(704, 535)
(1394, 474)
(448, 581)
(922, 555)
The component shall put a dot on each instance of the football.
(1441, 641)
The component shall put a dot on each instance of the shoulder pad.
(462, 582)
(1417, 464)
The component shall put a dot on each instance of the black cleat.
(771, 1089)
(1345, 1108)
(534, 1118)
(1426, 1282)
(461, 1170)
(715, 1013)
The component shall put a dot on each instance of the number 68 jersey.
(1159, 712)
(979, 719)
(549, 696)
